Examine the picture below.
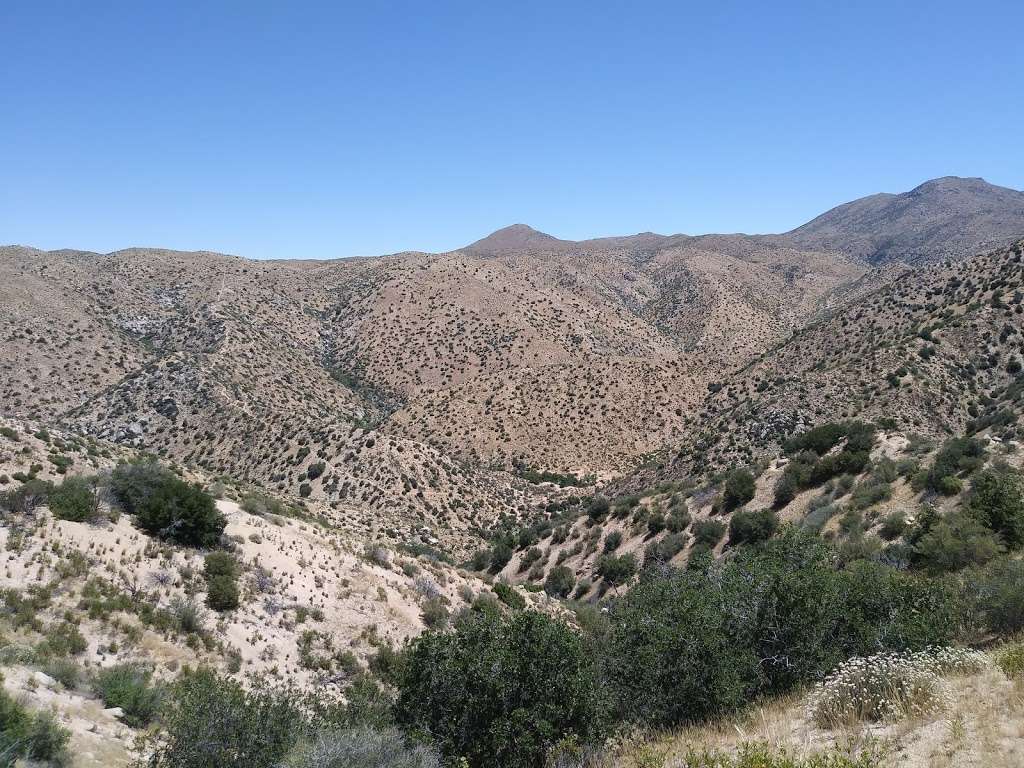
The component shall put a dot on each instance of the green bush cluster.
(166, 506)
(813, 463)
(691, 644)
(500, 690)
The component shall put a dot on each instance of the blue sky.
(340, 129)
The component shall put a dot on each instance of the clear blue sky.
(336, 129)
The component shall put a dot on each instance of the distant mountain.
(942, 218)
(518, 237)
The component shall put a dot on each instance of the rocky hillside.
(943, 218)
(938, 351)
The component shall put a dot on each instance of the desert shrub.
(500, 690)
(955, 542)
(956, 457)
(786, 487)
(560, 581)
(435, 613)
(509, 595)
(738, 489)
(997, 498)
(762, 755)
(361, 747)
(708, 532)
(130, 687)
(313, 471)
(501, 553)
(616, 570)
(884, 687)
(612, 541)
(65, 671)
(751, 527)
(893, 526)
(33, 736)
(220, 570)
(63, 639)
(188, 616)
(75, 499)
(262, 505)
(166, 506)
(678, 519)
(996, 594)
(870, 492)
(655, 523)
(24, 499)
(597, 509)
(222, 593)
(1010, 659)
(820, 439)
(212, 720)
(664, 550)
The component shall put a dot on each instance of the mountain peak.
(513, 237)
(950, 216)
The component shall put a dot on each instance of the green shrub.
(75, 499)
(786, 487)
(166, 506)
(33, 736)
(996, 593)
(500, 555)
(692, 644)
(509, 596)
(560, 581)
(612, 541)
(997, 498)
(210, 720)
(616, 570)
(955, 542)
(893, 526)
(130, 687)
(678, 519)
(708, 532)
(597, 509)
(956, 457)
(435, 613)
(500, 690)
(63, 639)
(751, 527)
(738, 490)
(222, 593)
(220, 570)
(1010, 659)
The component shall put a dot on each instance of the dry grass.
(981, 724)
